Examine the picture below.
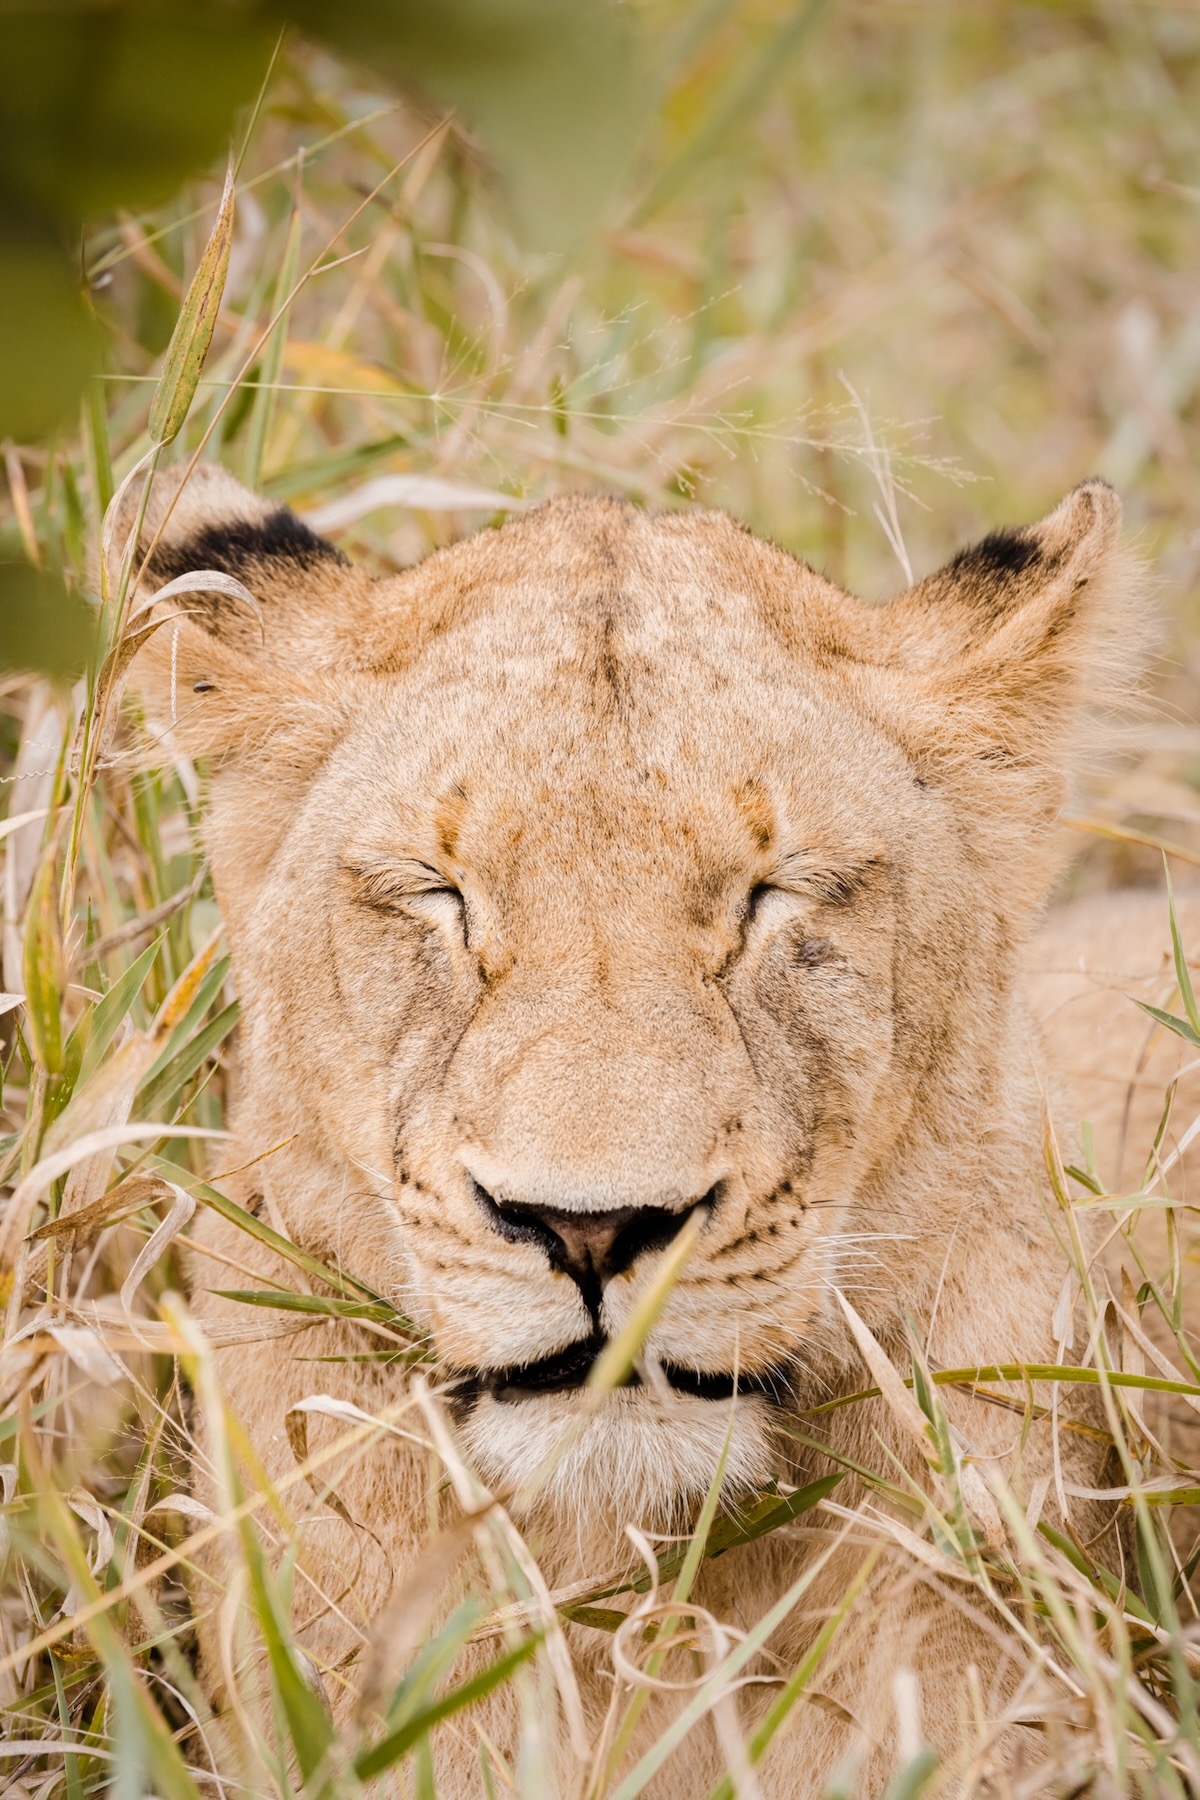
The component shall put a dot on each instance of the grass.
(882, 277)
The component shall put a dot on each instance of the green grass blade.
(685, 1580)
(100, 1024)
(262, 412)
(157, 1095)
(388, 1752)
(1181, 1027)
(97, 450)
(756, 1520)
(209, 986)
(1115, 1588)
(377, 1311)
(745, 94)
(702, 1700)
(434, 1661)
(1023, 1372)
(309, 1727)
(45, 975)
(1182, 974)
(337, 1279)
(913, 1780)
(621, 1352)
(801, 1676)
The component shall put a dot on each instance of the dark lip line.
(567, 1370)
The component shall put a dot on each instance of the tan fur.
(606, 730)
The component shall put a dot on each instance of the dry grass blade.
(423, 493)
(183, 1205)
(718, 1682)
(142, 926)
(194, 328)
(110, 1137)
(199, 581)
(618, 1358)
(891, 1384)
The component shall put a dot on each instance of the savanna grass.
(867, 260)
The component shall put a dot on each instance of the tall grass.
(878, 276)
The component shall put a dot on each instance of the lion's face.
(597, 963)
(632, 881)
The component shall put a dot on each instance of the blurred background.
(874, 275)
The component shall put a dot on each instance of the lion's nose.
(590, 1247)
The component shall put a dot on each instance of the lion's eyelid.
(388, 883)
(834, 882)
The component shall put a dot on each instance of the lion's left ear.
(1002, 654)
(263, 649)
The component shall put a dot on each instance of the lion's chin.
(642, 1458)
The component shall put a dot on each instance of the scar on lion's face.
(614, 876)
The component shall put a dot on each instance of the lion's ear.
(1000, 664)
(1006, 647)
(1034, 597)
(231, 664)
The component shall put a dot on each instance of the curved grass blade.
(766, 1514)
(800, 1677)
(1181, 1027)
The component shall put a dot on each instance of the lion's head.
(611, 870)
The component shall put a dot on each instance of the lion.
(608, 877)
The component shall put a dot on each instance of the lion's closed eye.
(795, 902)
(804, 883)
(828, 882)
(407, 887)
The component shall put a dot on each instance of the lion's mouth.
(568, 1369)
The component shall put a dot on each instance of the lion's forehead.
(579, 583)
(613, 695)
(652, 708)
(509, 766)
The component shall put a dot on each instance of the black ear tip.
(246, 547)
(999, 555)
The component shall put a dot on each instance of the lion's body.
(747, 879)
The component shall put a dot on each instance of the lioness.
(606, 873)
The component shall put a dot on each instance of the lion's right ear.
(222, 671)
